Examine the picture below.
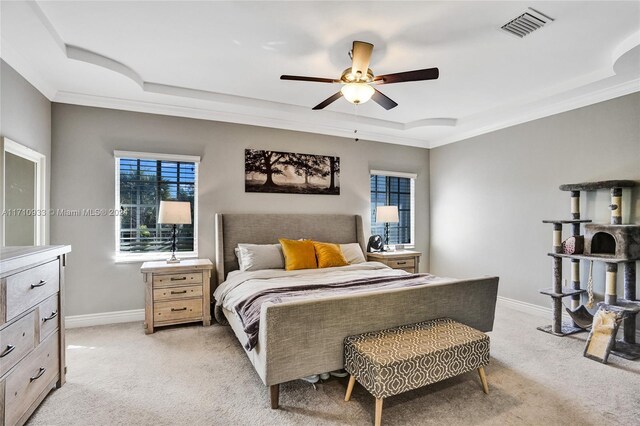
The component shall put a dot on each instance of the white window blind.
(142, 181)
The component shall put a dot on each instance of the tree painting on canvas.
(291, 173)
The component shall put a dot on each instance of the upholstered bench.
(396, 360)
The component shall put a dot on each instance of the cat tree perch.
(613, 244)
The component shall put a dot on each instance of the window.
(142, 181)
(394, 189)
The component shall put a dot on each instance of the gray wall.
(83, 177)
(25, 118)
(490, 193)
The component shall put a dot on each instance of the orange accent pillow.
(298, 254)
(329, 255)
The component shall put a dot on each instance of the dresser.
(408, 260)
(32, 346)
(177, 293)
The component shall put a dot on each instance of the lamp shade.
(387, 214)
(175, 212)
(357, 93)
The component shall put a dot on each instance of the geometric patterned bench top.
(396, 360)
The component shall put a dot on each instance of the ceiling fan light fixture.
(357, 93)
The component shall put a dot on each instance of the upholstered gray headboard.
(231, 229)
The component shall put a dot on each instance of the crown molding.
(326, 128)
(558, 107)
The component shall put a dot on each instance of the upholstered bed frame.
(302, 338)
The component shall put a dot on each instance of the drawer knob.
(402, 263)
(40, 284)
(178, 279)
(7, 351)
(179, 309)
(179, 292)
(37, 376)
(50, 317)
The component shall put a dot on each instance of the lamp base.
(173, 259)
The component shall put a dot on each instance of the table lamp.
(174, 213)
(387, 215)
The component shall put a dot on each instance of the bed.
(305, 336)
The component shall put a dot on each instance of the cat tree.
(614, 244)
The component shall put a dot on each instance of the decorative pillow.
(329, 255)
(298, 254)
(352, 253)
(253, 257)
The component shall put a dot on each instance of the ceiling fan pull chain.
(355, 132)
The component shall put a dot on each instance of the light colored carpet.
(194, 375)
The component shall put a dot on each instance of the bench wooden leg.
(274, 390)
(483, 379)
(352, 381)
(379, 411)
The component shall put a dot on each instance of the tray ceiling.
(222, 61)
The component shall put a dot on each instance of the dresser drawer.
(172, 293)
(28, 288)
(401, 263)
(177, 310)
(48, 320)
(174, 279)
(30, 378)
(17, 340)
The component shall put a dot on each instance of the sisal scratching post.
(610, 295)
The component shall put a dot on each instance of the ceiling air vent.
(527, 23)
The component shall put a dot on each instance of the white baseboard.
(116, 317)
(527, 308)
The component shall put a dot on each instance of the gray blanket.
(248, 309)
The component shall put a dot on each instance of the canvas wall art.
(291, 173)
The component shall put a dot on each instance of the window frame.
(412, 177)
(126, 257)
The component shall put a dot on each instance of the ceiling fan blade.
(328, 101)
(417, 75)
(314, 79)
(360, 57)
(383, 100)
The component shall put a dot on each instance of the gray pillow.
(253, 257)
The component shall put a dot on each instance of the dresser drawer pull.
(401, 263)
(179, 292)
(177, 310)
(7, 351)
(52, 316)
(40, 284)
(178, 279)
(37, 376)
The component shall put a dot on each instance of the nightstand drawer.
(172, 293)
(401, 263)
(177, 279)
(177, 310)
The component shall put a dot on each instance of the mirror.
(23, 218)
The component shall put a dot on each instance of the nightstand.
(177, 293)
(408, 260)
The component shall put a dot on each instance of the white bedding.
(242, 284)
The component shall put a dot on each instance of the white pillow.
(353, 253)
(253, 257)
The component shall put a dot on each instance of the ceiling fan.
(357, 79)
